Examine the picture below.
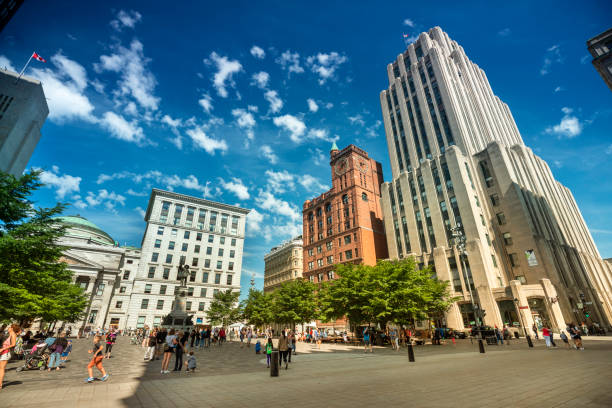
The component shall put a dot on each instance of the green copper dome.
(78, 222)
(334, 147)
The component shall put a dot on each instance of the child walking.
(96, 360)
(269, 351)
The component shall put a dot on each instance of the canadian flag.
(38, 57)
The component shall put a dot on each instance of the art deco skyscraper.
(457, 158)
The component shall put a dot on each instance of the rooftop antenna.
(252, 280)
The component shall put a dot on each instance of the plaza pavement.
(334, 376)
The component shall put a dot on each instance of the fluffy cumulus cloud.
(312, 184)
(226, 69)
(108, 200)
(254, 220)
(372, 131)
(267, 152)
(5, 63)
(291, 124)
(126, 19)
(569, 126)
(64, 89)
(280, 181)
(325, 65)
(245, 120)
(408, 22)
(170, 182)
(312, 105)
(276, 103)
(122, 129)
(258, 52)
(174, 125)
(356, 120)
(206, 103)
(268, 201)
(136, 81)
(260, 79)
(203, 141)
(552, 56)
(290, 62)
(321, 134)
(64, 184)
(237, 187)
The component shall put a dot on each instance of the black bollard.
(481, 346)
(274, 364)
(529, 341)
(410, 353)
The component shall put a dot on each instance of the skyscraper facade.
(458, 162)
(23, 110)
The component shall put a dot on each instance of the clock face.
(341, 166)
(363, 166)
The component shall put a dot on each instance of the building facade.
(23, 110)
(458, 160)
(283, 263)
(206, 235)
(600, 48)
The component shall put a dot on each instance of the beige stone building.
(283, 263)
(457, 159)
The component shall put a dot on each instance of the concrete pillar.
(556, 316)
(525, 314)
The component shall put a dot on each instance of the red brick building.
(345, 223)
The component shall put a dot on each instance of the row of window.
(163, 289)
(144, 304)
(194, 261)
(198, 236)
(320, 277)
(329, 244)
(348, 255)
(199, 222)
(196, 248)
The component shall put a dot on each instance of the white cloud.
(318, 157)
(276, 103)
(121, 129)
(293, 125)
(585, 58)
(108, 199)
(290, 61)
(174, 124)
(322, 134)
(6, 63)
(140, 211)
(64, 89)
(260, 79)
(63, 184)
(371, 131)
(559, 89)
(408, 22)
(225, 71)
(254, 220)
(552, 56)
(325, 65)
(201, 139)
(136, 80)
(357, 119)
(312, 184)
(136, 193)
(329, 105)
(245, 120)
(267, 152)
(281, 181)
(569, 126)
(237, 187)
(267, 201)
(169, 182)
(126, 19)
(504, 32)
(609, 149)
(206, 103)
(278, 232)
(253, 108)
(258, 52)
(312, 105)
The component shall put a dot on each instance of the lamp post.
(520, 315)
(459, 240)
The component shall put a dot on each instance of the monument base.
(178, 318)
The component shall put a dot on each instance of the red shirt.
(545, 332)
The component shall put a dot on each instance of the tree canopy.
(257, 308)
(225, 309)
(294, 302)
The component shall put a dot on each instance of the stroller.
(36, 358)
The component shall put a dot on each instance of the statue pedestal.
(178, 318)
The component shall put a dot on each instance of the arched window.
(364, 196)
(319, 212)
(310, 216)
(345, 199)
(328, 207)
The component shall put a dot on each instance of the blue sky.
(240, 103)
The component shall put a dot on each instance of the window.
(100, 290)
(232, 253)
(345, 199)
(140, 323)
(507, 238)
(320, 262)
(201, 306)
(182, 259)
(160, 230)
(513, 260)
(501, 218)
(348, 254)
(211, 238)
(169, 258)
(118, 304)
(144, 304)
(171, 245)
(194, 262)
(234, 229)
(162, 289)
(207, 263)
(203, 292)
(488, 239)
(157, 243)
(217, 278)
(154, 256)
(196, 249)
(311, 278)
(188, 305)
(330, 275)
(482, 221)
(166, 273)
(201, 218)
(231, 266)
(319, 212)
(328, 207)
(92, 316)
(330, 259)
(356, 252)
(129, 261)
(494, 260)
(494, 199)
(319, 249)
(347, 239)
(233, 242)
(122, 289)
(219, 264)
(190, 291)
(148, 287)
(205, 278)
(126, 275)
(229, 279)
(208, 250)
(184, 247)
(151, 272)
(364, 196)
(199, 236)
(310, 251)
(215, 291)
(310, 265)
(328, 245)
(186, 235)
(220, 252)
(173, 232)
(320, 277)
(221, 240)
(160, 304)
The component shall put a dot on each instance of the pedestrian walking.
(366, 340)
(269, 348)
(66, 352)
(179, 350)
(242, 337)
(222, 337)
(283, 348)
(161, 341)
(565, 339)
(111, 337)
(8, 344)
(192, 338)
(498, 336)
(575, 335)
(151, 345)
(546, 335)
(291, 343)
(535, 331)
(552, 338)
(169, 347)
(249, 337)
(97, 357)
(57, 348)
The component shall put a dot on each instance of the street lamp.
(459, 240)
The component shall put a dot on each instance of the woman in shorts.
(366, 340)
(169, 346)
(7, 345)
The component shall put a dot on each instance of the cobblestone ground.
(334, 376)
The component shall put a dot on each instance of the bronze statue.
(183, 273)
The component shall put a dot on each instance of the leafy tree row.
(34, 283)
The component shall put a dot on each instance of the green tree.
(257, 308)
(33, 281)
(294, 302)
(224, 309)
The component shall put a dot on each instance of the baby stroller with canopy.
(36, 358)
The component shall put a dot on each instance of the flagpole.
(24, 67)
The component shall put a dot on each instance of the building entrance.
(507, 310)
(539, 312)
